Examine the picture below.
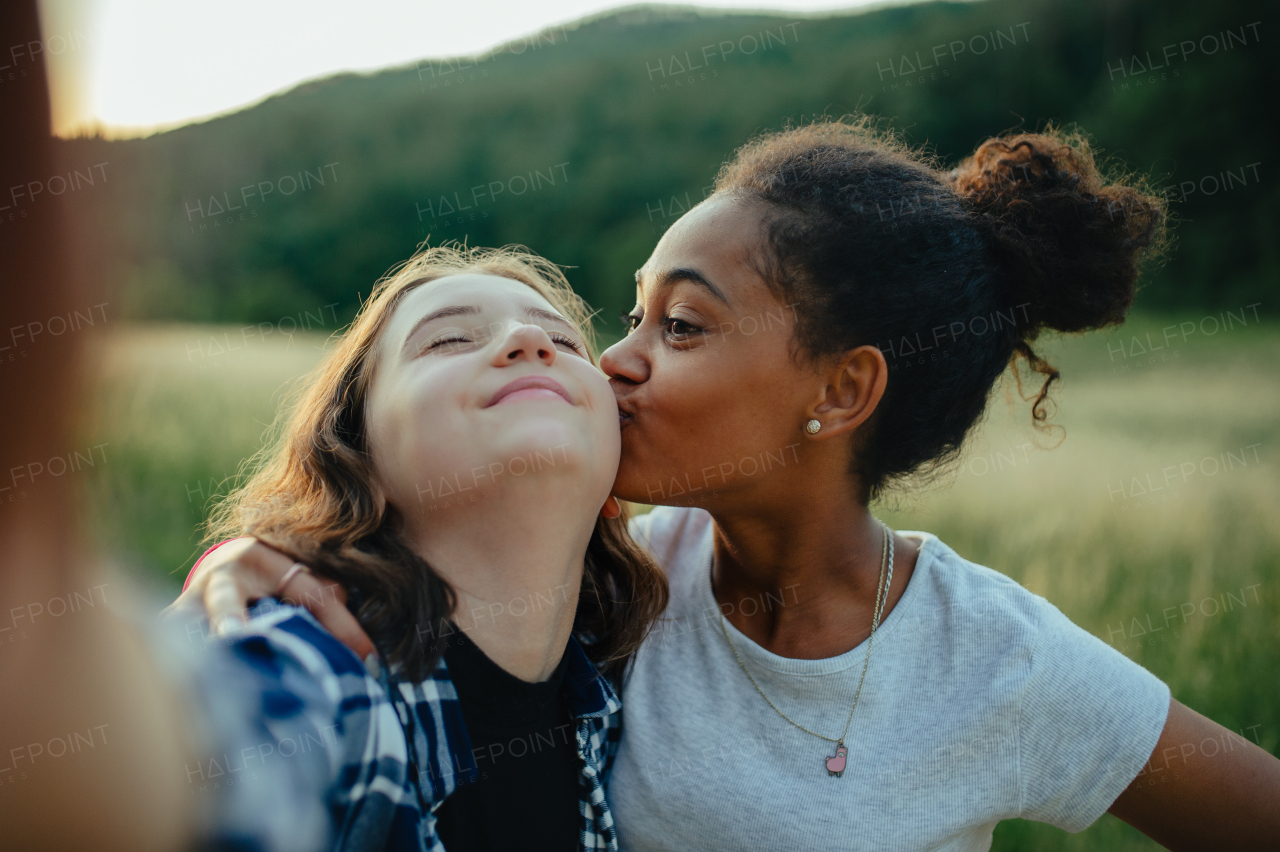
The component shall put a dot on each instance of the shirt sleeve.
(272, 740)
(1090, 718)
(313, 690)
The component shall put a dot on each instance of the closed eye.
(455, 339)
(565, 339)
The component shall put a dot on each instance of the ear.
(611, 509)
(854, 386)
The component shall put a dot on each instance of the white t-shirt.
(982, 702)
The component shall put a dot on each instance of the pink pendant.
(835, 765)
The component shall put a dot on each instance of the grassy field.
(1182, 579)
(1162, 495)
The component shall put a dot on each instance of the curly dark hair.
(952, 274)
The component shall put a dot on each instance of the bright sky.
(133, 66)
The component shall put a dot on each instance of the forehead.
(485, 291)
(717, 236)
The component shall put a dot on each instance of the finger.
(241, 572)
(327, 601)
(221, 556)
(183, 608)
(225, 602)
(188, 615)
(339, 621)
(270, 566)
(184, 605)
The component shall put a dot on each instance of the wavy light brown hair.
(312, 494)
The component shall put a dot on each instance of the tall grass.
(1182, 579)
(181, 409)
(1199, 418)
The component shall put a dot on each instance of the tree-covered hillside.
(586, 142)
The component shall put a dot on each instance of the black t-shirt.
(522, 737)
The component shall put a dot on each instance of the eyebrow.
(539, 313)
(472, 310)
(451, 311)
(671, 277)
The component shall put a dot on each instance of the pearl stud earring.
(813, 426)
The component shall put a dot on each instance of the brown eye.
(680, 328)
(630, 321)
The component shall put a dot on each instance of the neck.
(819, 551)
(515, 560)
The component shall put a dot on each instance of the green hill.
(586, 142)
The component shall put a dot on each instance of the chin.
(630, 484)
(538, 440)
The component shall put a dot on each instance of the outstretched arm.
(1205, 787)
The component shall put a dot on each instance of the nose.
(624, 361)
(525, 342)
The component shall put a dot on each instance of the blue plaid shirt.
(397, 750)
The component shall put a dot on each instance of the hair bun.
(1067, 242)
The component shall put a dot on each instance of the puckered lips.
(528, 388)
(625, 415)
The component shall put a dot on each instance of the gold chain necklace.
(835, 764)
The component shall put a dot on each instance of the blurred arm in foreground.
(90, 674)
(98, 738)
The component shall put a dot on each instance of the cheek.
(717, 396)
(603, 425)
(709, 411)
(388, 446)
(412, 437)
(685, 398)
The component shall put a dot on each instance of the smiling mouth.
(530, 393)
(530, 387)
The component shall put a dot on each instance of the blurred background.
(239, 180)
